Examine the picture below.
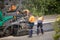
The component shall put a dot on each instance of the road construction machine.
(13, 23)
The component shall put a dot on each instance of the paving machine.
(13, 24)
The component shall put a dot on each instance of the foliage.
(56, 37)
(57, 28)
(43, 6)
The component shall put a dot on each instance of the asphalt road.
(45, 36)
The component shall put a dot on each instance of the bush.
(56, 37)
(57, 28)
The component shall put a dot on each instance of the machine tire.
(7, 32)
(16, 28)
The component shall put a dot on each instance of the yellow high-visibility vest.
(32, 19)
(41, 18)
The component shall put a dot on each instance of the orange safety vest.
(32, 19)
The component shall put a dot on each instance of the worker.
(31, 24)
(40, 25)
(26, 12)
(12, 8)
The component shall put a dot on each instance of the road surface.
(45, 36)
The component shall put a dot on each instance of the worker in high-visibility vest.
(31, 24)
(40, 25)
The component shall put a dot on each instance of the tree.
(43, 6)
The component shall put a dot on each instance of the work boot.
(42, 32)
